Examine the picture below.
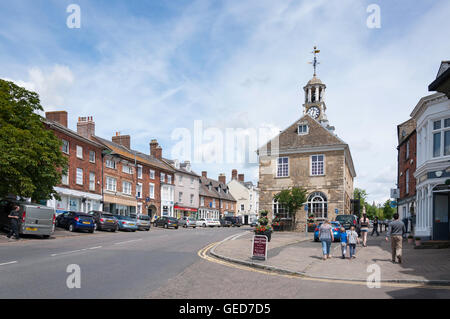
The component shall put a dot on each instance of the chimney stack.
(241, 177)
(234, 174)
(205, 174)
(222, 178)
(57, 116)
(123, 140)
(86, 127)
(153, 146)
(158, 152)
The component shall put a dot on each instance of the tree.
(292, 199)
(31, 161)
(388, 211)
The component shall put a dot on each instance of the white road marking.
(128, 241)
(75, 251)
(9, 263)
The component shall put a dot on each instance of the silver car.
(35, 219)
(143, 222)
(186, 222)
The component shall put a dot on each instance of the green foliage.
(293, 199)
(388, 211)
(30, 159)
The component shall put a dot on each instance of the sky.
(152, 69)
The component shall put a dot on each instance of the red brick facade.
(407, 166)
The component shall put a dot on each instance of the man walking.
(375, 227)
(395, 231)
(14, 220)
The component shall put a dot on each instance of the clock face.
(314, 112)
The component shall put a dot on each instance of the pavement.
(297, 254)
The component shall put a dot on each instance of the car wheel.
(176, 227)
(71, 228)
(166, 226)
(204, 225)
(95, 226)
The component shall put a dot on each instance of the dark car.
(104, 221)
(349, 220)
(235, 221)
(335, 227)
(167, 222)
(225, 223)
(75, 221)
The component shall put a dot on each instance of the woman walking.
(326, 237)
(364, 225)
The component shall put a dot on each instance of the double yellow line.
(203, 253)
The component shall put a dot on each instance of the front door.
(441, 215)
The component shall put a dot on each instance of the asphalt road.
(158, 264)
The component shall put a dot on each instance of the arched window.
(279, 210)
(318, 205)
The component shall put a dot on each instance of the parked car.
(143, 222)
(208, 222)
(104, 220)
(36, 219)
(186, 222)
(336, 226)
(74, 221)
(167, 222)
(224, 223)
(126, 223)
(235, 221)
(254, 223)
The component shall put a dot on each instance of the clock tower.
(314, 90)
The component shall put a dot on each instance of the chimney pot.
(241, 177)
(222, 178)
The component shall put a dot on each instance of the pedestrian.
(344, 241)
(352, 238)
(375, 226)
(364, 225)
(405, 221)
(326, 237)
(14, 222)
(395, 231)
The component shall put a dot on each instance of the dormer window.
(303, 129)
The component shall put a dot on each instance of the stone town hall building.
(310, 155)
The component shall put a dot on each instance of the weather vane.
(315, 62)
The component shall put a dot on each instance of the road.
(159, 264)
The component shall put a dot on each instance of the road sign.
(336, 211)
(393, 204)
(395, 193)
(259, 247)
(306, 207)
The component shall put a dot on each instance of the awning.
(188, 209)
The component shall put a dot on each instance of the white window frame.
(162, 177)
(192, 199)
(79, 152)
(202, 201)
(125, 189)
(90, 153)
(180, 197)
(442, 130)
(152, 190)
(111, 181)
(323, 165)
(139, 171)
(65, 177)
(407, 181)
(302, 132)
(152, 174)
(91, 181)
(127, 169)
(109, 162)
(282, 167)
(169, 179)
(79, 170)
(139, 187)
(66, 143)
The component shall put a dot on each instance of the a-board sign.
(259, 247)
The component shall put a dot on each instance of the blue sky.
(145, 68)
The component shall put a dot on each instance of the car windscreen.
(344, 218)
(124, 218)
(144, 217)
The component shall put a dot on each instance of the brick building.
(216, 200)
(406, 163)
(81, 188)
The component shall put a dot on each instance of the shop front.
(119, 206)
(75, 201)
(181, 211)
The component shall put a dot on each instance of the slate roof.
(130, 154)
(215, 185)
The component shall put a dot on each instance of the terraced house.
(216, 200)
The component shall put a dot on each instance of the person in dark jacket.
(375, 227)
(395, 232)
(14, 216)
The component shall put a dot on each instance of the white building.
(167, 195)
(432, 115)
(247, 197)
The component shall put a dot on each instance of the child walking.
(343, 237)
(352, 237)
